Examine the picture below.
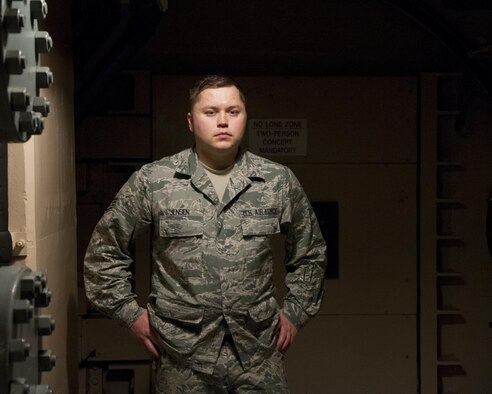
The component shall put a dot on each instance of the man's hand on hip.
(286, 333)
(143, 332)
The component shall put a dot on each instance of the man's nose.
(222, 120)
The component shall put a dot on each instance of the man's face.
(218, 121)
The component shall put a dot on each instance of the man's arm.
(305, 261)
(109, 253)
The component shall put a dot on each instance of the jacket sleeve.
(305, 258)
(108, 256)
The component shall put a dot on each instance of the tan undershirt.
(219, 178)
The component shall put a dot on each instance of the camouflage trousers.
(228, 376)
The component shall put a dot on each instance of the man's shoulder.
(165, 166)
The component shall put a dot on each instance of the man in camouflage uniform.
(212, 318)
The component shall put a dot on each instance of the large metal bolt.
(29, 285)
(39, 9)
(46, 325)
(44, 77)
(32, 123)
(40, 389)
(43, 42)
(38, 123)
(41, 105)
(15, 62)
(42, 278)
(46, 360)
(23, 311)
(13, 20)
(19, 99)
(43, 299)
(19, 386)
(18, 350)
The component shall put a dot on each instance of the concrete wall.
(42, 202)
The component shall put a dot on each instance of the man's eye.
(234, 112)
(209, 113)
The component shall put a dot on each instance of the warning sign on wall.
(278, 137)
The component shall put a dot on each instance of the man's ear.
(189, 117)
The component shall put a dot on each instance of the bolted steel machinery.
(22, 294)
(22, 110)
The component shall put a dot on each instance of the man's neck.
(217, 162)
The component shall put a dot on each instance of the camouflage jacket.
(212, 260)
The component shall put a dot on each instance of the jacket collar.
(186, 164)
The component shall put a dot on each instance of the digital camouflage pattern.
(228, 376)
(212, 260)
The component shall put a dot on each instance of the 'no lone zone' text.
(278, 136)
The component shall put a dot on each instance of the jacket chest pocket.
(181, 226)
(258, 235)
(179, 245)
(260, 227)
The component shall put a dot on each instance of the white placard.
(278, 137)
